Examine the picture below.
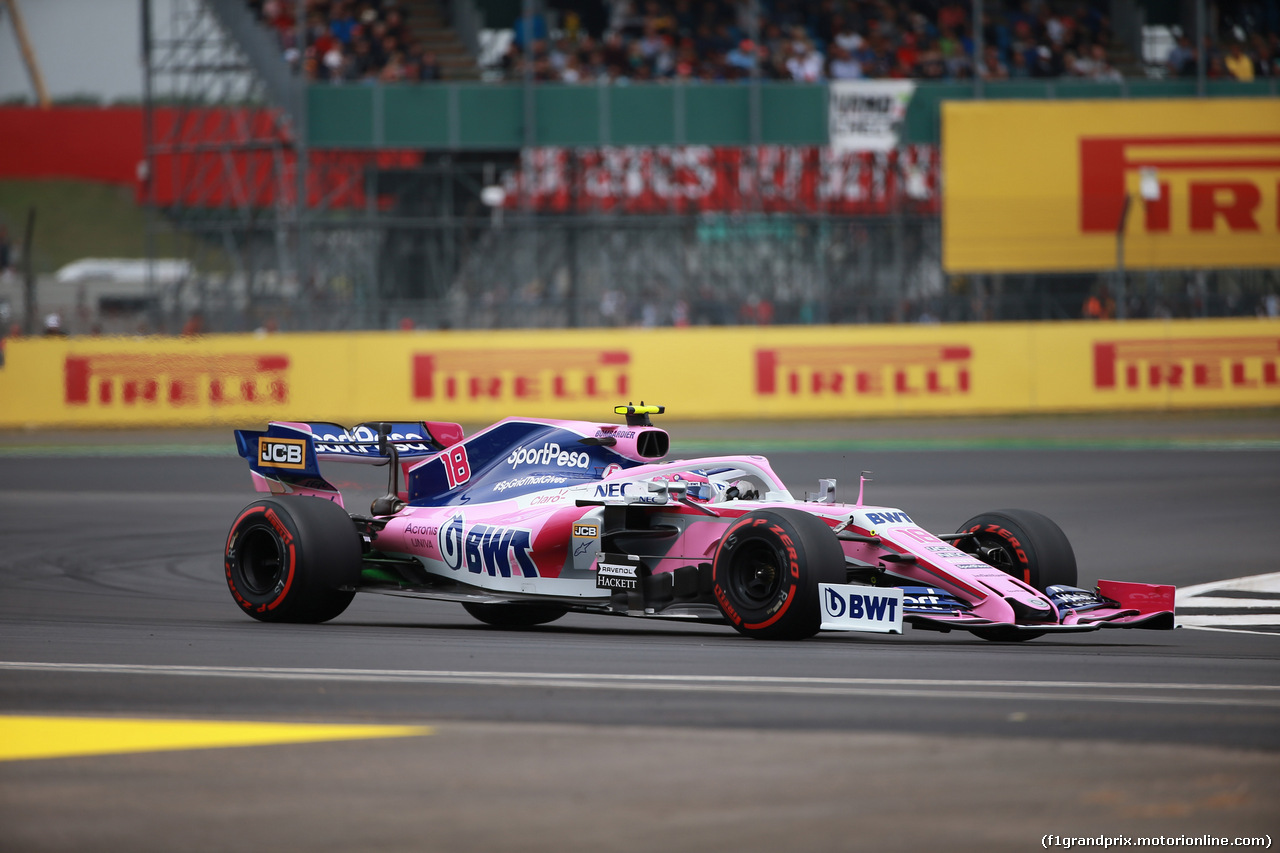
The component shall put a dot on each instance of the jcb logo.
(1188, 184)
(282, 452)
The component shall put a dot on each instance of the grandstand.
(374, 164)
(806, 40)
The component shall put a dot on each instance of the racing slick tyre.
(515, 615)
(1024, 544)
(293, 560)
(766, 572)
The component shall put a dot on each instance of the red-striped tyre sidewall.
(314, 553)
(1041, 553)
(800, 552)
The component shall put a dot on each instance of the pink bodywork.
(548, 517)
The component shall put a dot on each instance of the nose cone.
(1032, 609)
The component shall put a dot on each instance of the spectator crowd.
(581, 41)
(811, 40)
(349, 40)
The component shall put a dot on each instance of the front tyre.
(1021, 543)
(293, 560)
(766, 572)
(1026, 545)
(515, 615)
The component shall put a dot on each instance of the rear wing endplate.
(285, 457)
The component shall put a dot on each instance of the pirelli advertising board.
(1041, 186)
(744, 373)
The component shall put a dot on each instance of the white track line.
(1201, 595)
(889, 687)
(1230, 630)
(1253, 583)
(1227, 620)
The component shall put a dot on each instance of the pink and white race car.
(529, 519)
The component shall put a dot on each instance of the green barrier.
(480, 116)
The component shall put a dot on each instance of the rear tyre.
(293, 560)
(1026, 545)
(515, 615)
(766, 572)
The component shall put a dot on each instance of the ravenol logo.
(1188, 184)
(282, 452)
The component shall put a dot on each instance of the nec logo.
(282, 452)
(1206, 184)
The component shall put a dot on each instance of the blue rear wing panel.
(360, 443)
(290, 452)
(283, 453)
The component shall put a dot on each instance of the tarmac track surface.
(614, 734)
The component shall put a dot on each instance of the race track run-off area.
(1237, 604)
(141, 710)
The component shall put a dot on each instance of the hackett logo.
(1207, 184)
(872, 370)
(175, 379)
(531, 375)
(1193, 363)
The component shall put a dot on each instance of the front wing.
(1114, 604)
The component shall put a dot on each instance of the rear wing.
(284, 459)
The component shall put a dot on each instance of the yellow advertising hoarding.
(1041, 186)
(741, 373)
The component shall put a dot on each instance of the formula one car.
(529, 519)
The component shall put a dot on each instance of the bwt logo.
(899, 370)
(526, 375)
(1192, 363)
(888, 518)
(175, 379)
(486, 549)
(855, 605)
(1206, 184)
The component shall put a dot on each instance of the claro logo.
(1206, 184)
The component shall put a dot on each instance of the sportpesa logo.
(549, 454)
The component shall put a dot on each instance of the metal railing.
(600, 272)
